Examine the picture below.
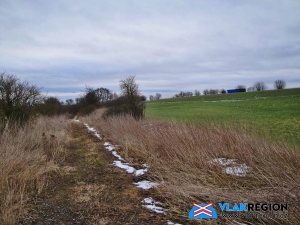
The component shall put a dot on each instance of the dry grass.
(27, 155)
(179, 157)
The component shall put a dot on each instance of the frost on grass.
(154, 205)
(235, 169)
(146, 185)
(91, 129)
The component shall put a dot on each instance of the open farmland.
(270, 114)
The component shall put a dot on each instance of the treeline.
(21, 101)
(257, 86)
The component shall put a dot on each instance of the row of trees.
(157, 96)
(258, 86)
(187, 94)
(21, 101)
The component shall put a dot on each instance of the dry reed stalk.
(179, 156)
(26, 158)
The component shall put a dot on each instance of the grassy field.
(273, 114)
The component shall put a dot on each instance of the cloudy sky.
(169, 45)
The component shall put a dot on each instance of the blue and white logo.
(203, 211)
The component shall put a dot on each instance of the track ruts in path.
(88, 189)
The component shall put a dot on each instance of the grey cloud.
(169, 45)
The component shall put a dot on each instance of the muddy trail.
(88, 189)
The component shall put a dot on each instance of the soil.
(88, 189)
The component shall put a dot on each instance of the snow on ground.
(171, 223)
(240, 170)
(238, 223)
(222, 161)
(121, 163)
(154, 205)
(76, 120)
(235, 169)
(146, 185)
(91, 129)
(124, 166)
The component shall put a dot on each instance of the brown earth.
(88, 189)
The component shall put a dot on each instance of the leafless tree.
(260, 86)
(213, 91)
(240, 87)
(130, 91)
(157, 96)
(151, 98)
(70, 101)
(279, 84)
(197, 93)
(18, 100)
(249, 89)
(206, 92)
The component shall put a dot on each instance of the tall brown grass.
(28, 154)
(179, 156)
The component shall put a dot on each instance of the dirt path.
(90, 190)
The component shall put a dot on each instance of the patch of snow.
(222, 161)
(153, 205)
(171, 223)
(106, 143)
(91, 129)
(140, 172)
(110, 148)
(124, 166)
(238, 170)
(117, 156)
(76, 120)
(145, 184)
(238, 223)
(235, 169)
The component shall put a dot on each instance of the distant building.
(236, 90)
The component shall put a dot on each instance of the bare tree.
(70, 101)
(260, 86)
(197, 93)
(249, 89)
(279, 84)
(223, 91)
(157, 96)
(151, 98)
(240, 87)
(213, 91)
(206, 92)
(18, 100)
(130, 91)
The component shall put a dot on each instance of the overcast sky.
(169, 45)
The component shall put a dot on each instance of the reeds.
(28, 154)
(180, 157)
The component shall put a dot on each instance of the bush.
(18, 100)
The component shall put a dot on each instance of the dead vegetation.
(28, 154)
(180, 158)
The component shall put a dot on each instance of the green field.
(273, 114)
